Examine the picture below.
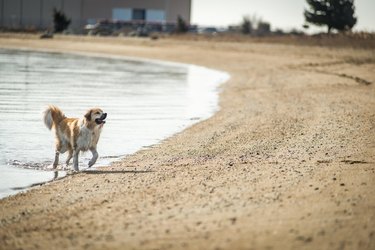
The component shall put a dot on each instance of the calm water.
(145, 101)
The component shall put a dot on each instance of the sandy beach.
(287, 163)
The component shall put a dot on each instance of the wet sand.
(287, 163)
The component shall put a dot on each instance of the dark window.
(139, 14)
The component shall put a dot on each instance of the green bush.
(60, 21)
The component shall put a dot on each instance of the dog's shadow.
(55, 178)
(85, 171)
(96, 171)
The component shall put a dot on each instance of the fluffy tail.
(52, 116)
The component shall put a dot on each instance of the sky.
(284, 14)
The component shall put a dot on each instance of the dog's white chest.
(88, 138)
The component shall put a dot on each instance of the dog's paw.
(72, 172)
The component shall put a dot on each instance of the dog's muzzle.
(101, 120)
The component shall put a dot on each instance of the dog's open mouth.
(101, 120)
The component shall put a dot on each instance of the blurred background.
(146, 17)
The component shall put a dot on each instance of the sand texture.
(287, 163)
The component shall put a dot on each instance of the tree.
(335, 14)
(246, 25)
(264, 28)
(60, 21)
(182, 27)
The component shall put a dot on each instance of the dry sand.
(287, 163)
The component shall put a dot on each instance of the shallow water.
(145, 101)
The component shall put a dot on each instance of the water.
(146, 102)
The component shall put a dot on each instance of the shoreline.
(286, 163)
(214, 79)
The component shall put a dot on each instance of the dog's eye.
(97, 113)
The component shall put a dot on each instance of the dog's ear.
(88, 115)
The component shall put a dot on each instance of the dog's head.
(96, 115)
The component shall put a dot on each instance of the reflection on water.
(56, 176)
(146, 102)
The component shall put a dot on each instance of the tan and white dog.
(74, 134)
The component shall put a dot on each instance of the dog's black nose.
(104, 115)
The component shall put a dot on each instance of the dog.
(75, 135)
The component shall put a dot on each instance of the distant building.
(37, 14)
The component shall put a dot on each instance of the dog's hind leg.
(95, 156)
(57, 153)
(75, 159)
(70, 155)
(56, 162)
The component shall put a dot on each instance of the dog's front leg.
(95, 156)
(75, 160)
(69, 157)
